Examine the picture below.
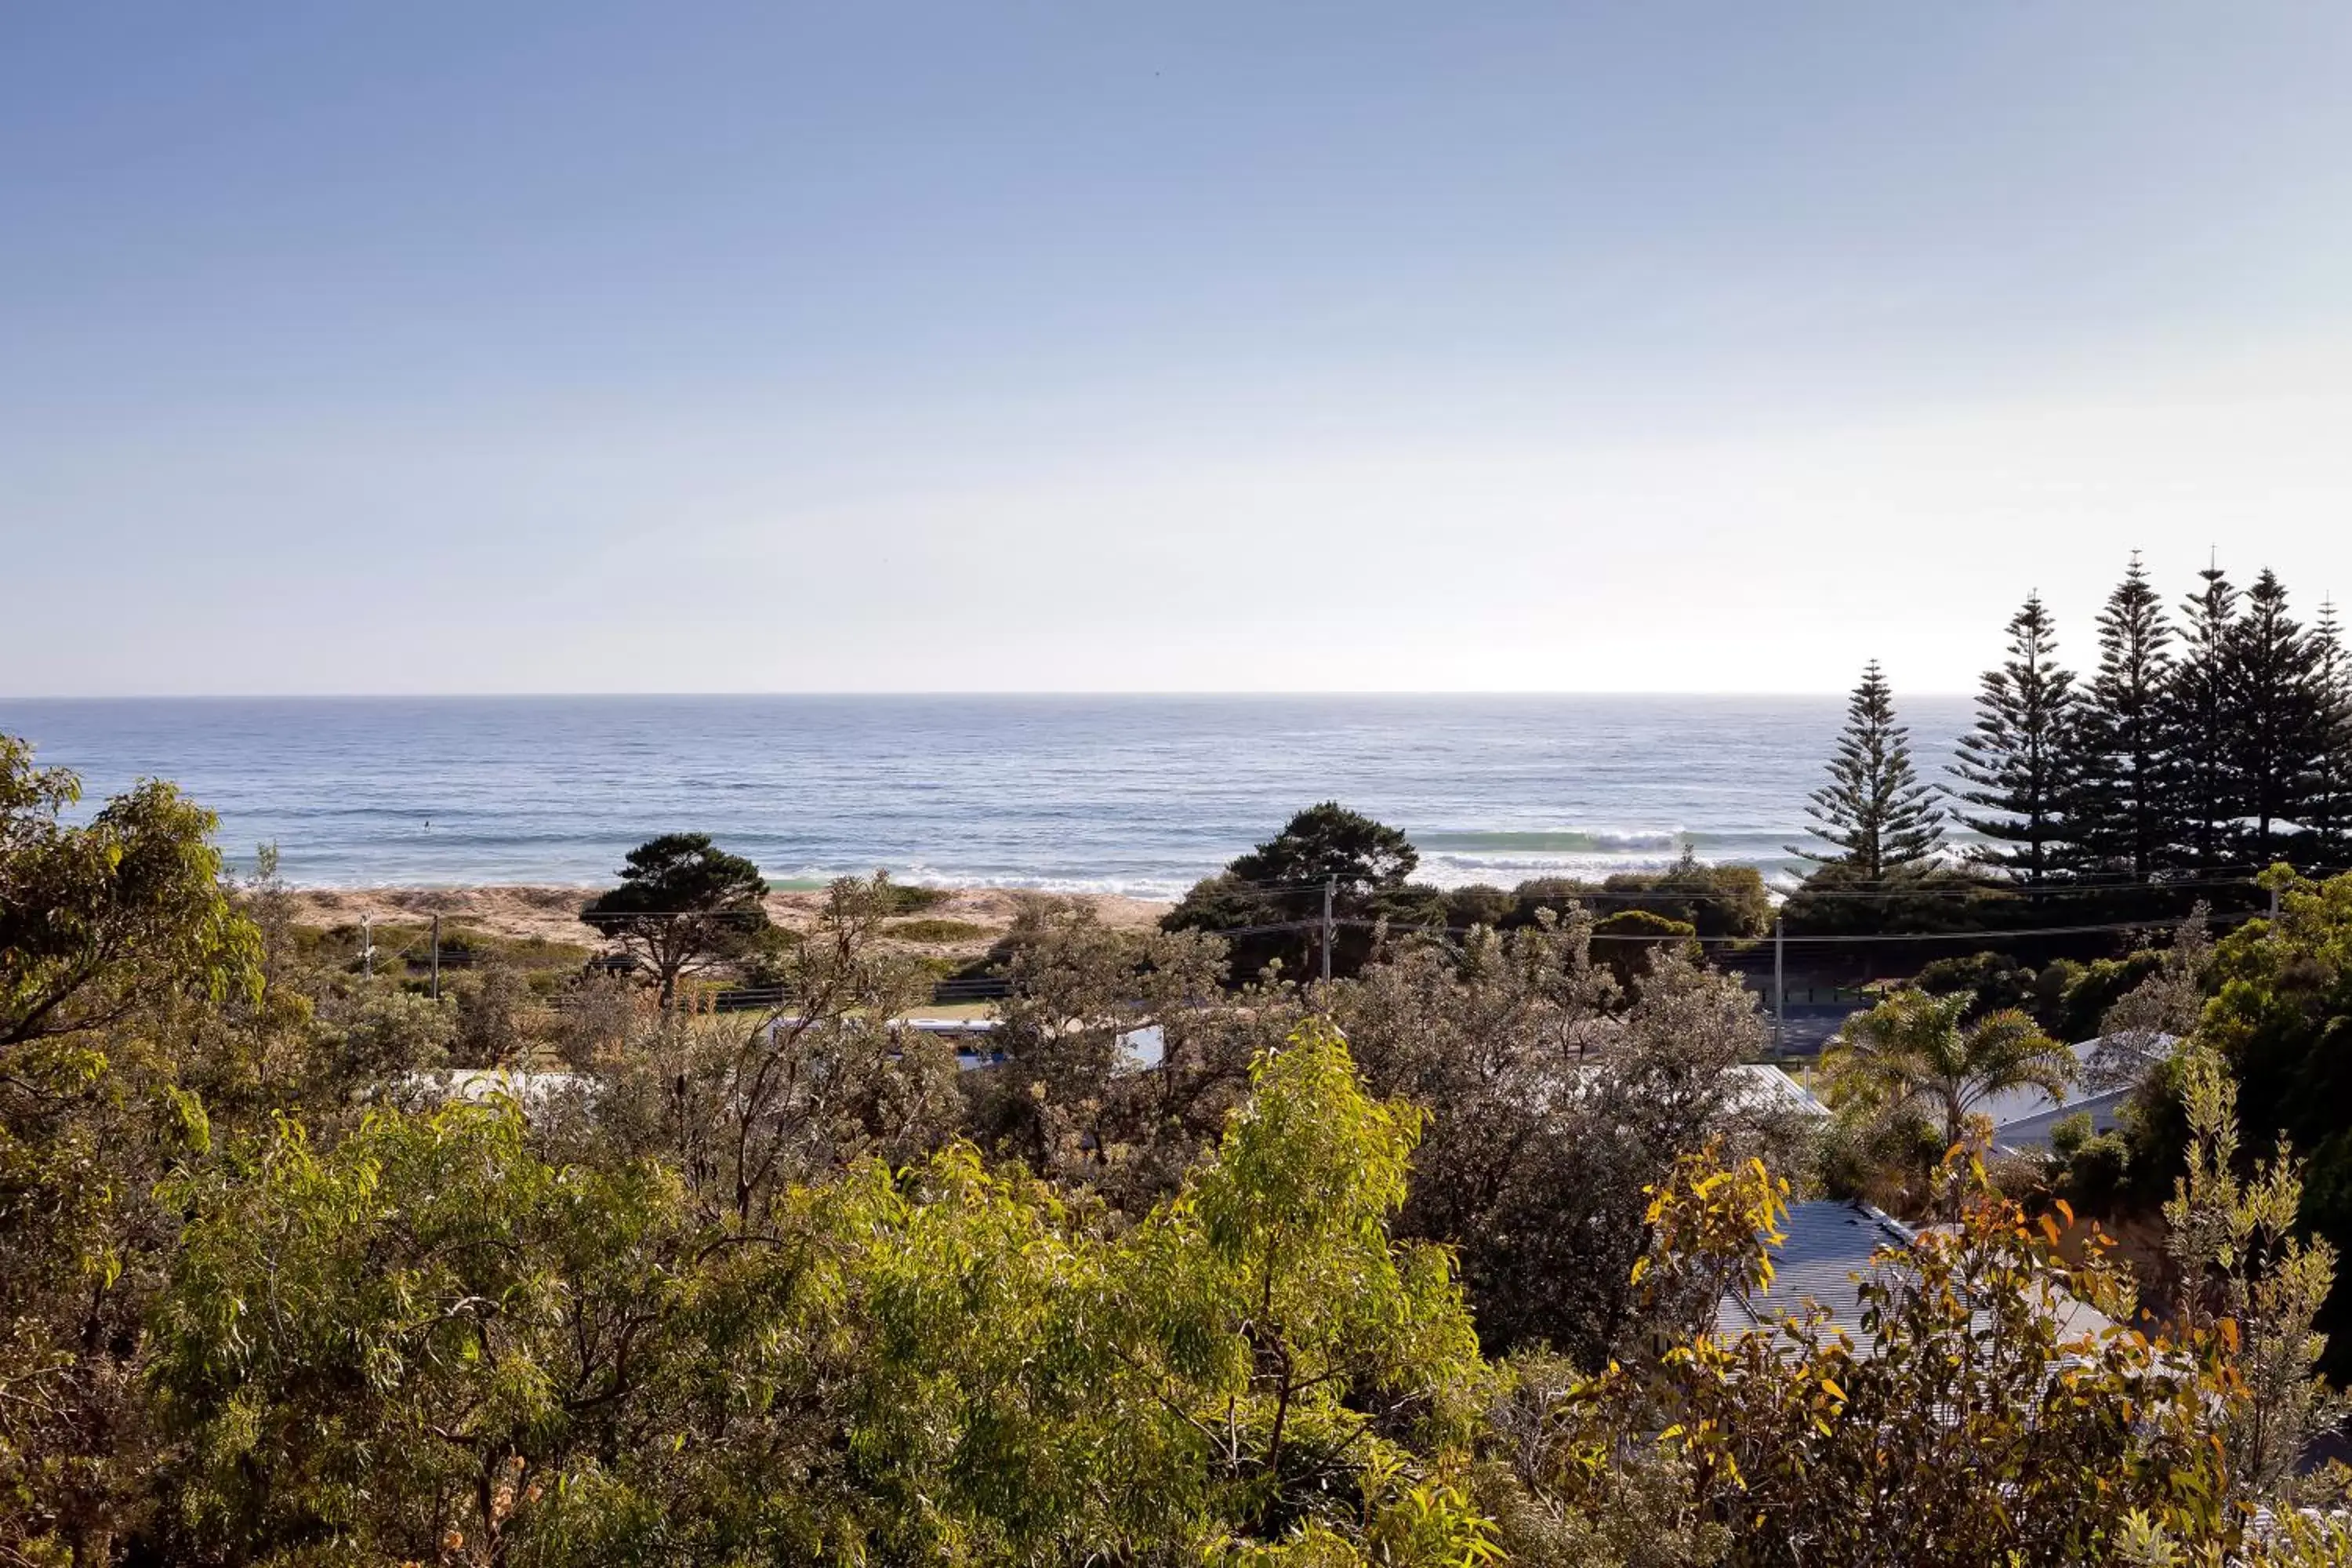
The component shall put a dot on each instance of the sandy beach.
(552, 913)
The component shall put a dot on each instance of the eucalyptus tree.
(1122, 1050)
(435, 1344)
(2141, 1029)
(747, 1104)
(116, 936)
(97, 917)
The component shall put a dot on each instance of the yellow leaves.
(1709, 1217)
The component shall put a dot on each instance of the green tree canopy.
(1280, 885)
(432, 1341)
(2120, 771)
(2013, 763)
(2207, 793)
(684, 904)
(2281, 1020)
(1875, 813)
(109, 932)
(2272, 678)
(93, 919)
(1330, 841)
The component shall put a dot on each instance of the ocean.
(1137, 795)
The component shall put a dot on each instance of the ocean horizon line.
(1205, 694)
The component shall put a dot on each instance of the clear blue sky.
(694, 347)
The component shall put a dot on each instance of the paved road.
(1811, 1026)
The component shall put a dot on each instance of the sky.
(709, 347)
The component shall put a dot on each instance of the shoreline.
(550, 913)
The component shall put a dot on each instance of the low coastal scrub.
(1269, 904)
(935, 932)
(907, 898)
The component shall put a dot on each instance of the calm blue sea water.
(1137, 794)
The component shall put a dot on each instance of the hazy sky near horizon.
(545, 347)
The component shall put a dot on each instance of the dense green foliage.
(1270, 919)
(94, 917)
(1419, 1267)
(435, 1334)
(2281, 1020)
(1713, 900)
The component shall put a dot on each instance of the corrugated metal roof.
(1829, 1251)
(2032, 1133)
(1749, 1086)
(1825, 1256)
(2015, 1106)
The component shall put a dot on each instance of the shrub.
(936, 931)
(903, 900)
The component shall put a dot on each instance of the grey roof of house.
(2019, 1104)
(1826, 1252)
(2033, 1131)
(1748, 1086)
(1758, 1086)
(2022, 1117)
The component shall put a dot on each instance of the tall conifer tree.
(2014, 762)
(2272, 717)
(1882, 822)
(2327, 794)
(2121, 812)
(2197, 728)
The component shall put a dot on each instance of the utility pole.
(1331, 888)
(436, 958)
(1779, 989)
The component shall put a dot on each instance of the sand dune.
(551, 913)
